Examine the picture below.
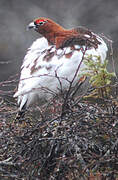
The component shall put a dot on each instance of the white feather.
(37, 85)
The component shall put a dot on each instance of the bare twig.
(71, 83)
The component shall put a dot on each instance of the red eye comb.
(39, 21)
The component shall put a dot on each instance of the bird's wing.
(46, 69)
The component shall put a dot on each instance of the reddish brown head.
(48, 28)
(53, 32)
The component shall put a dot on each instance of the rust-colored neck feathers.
(57, 35)
(54, 33)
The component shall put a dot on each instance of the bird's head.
(47, 27)
(39, 24)
(44, 26)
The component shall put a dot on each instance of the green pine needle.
(100, 78)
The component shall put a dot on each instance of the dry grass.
(79, 141)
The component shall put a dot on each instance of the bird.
(52, 60)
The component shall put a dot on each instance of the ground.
(66, 139)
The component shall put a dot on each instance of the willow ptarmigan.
(57, 54)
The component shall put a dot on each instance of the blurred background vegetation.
(101, 16)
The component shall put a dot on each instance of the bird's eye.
(41, 23)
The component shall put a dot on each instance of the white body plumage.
(43, 62)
